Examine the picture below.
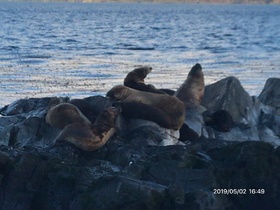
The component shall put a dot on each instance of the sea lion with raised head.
(192, 90)
(165, 110)
(89, 137)
(135, 79)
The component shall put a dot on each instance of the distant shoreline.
(237, 2)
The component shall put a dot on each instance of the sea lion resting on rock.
(60, 115)
(135, 79)
(90, 137)
(77, 129)
(192, 90)
(165, 110)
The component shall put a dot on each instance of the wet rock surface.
(270, 94)
(206, 171)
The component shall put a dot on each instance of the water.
(79, 50)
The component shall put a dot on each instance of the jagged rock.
(269, 125)
(252, 166)
(24, 124)
(32, 106)
(228, 94)
(270, 94)
(132, 177)
(194, 126)
(267, 135)
(129, 173)
(275, 125)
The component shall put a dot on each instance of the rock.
(25, 124)
(228, 94)
(267, 135)
(22, 181)
(27, 106)
(151, 177)
(194, 126)
(269, 125)
(132, 171)
(270, 94)
(251, 166)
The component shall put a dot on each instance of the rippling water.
(78, 50)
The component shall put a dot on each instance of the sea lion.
(165, 110)
(62, 114)
(220, 120)
(86, 108)
(89, 137)
(135, 79)
(167, 91)
(192, 90)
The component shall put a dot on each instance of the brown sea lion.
(91, 137)
(63, 114)
(192, 90)
(135, 79)
(167, 111)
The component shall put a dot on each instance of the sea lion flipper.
(145, 112)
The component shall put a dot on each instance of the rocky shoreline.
(206, 169)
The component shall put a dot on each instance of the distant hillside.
(175, 1)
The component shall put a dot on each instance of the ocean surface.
(80, 49)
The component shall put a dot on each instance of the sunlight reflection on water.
(80, 50)
(76, 78)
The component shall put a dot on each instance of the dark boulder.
(269, 122)
(228, 94)
(270, 94)
(122, 175)
(253, 167)
(132, 171)
(194, 126)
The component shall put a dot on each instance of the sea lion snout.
(196, 70)
(142, 71)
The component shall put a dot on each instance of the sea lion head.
(55, 101)
(118, 93)
(111, 112)
(139, 73)
(196, 71)
(106, 120)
